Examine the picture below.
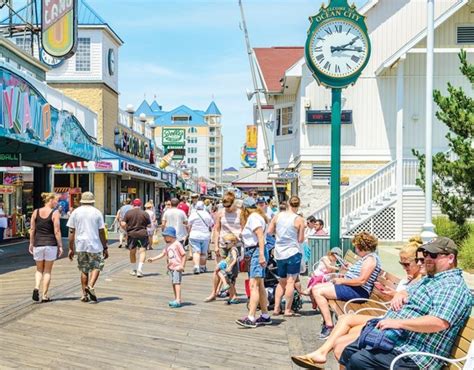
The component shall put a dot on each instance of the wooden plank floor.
(133, 327)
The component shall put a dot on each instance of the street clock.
(338, 46)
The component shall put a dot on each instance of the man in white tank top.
(288, 228)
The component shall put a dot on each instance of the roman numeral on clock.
(355, 58)
(327, 66)
(320, 57)
(338, 70)
(318, 48)
(348, 66)
(328, 31)
(338, 28)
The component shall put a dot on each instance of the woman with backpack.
(200, 225)
(288, 228)
(45, 243)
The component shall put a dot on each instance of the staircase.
(371, 196)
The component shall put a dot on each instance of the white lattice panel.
(382, 225)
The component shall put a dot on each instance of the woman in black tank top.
(45, 243)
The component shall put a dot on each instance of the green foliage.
(450, 229)
(466, 255)
(453, 172)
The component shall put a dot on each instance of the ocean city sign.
(59, 27)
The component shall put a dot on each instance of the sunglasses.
(417, 260)
(433, 255)
(405, 264)
(229, 243)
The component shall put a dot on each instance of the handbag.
(244, 263)
(374, 338)
(208, 227)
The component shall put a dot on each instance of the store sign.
(84, 166)
(136, 169)
(15, 179)
(27, 117)
(126, 142)
(6, 189)
(10, 159)
(59, 27)
(173, 137)
(324, 117)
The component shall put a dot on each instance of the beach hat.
(441, 245)
(249, 202)
(169, 231)
(87, 198)
(200, 205)
(136, 202)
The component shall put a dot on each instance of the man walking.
(87, 234)
(135, 223)
(120, 216)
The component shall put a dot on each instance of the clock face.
(111, 62)
(338, 48)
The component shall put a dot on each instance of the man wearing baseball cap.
(87, 239)
(136, 222)
(429, 314)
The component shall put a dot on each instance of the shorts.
(137, 242)
(255, 270)
(199, 246)
(45, 253)
(86, 261)
(289, 266)
(150, 232)
(346, 293)
(175, 276)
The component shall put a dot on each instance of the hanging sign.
(59, 27)
(10, 159)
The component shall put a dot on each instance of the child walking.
(176, 258)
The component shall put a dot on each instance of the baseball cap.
(136, 202)
(169, 231)
(200, 204)
(249, 202)
(337, 251)
(194, 195)
(261, 200)
(441, 244)
(87, 198)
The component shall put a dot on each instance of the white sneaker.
(139, 273)
(133, 272)
(196, 270)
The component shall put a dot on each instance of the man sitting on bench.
(428, 317)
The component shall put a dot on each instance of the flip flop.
(293, 314)
(233, 301)
(36, 296)
(307, 362)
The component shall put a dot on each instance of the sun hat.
(87, 198)
(169, 231)
(200, 205)
(136, 202)
(441, 244)
(249, 202)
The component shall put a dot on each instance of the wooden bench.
(376, 304)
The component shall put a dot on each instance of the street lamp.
(130, 110)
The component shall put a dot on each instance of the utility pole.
(259, 102)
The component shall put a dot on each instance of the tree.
(453, 172)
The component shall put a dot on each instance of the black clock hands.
(343, 48)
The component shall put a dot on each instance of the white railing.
(370, 192)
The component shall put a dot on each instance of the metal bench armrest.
(381, 310)
(449, 360)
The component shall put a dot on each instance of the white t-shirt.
(249, 238)
(86, 221)
(176, 218)
(3, 220)
(200, 227)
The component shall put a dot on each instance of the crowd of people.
(428, 308)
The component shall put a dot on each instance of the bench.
(462, 352)
(377, 302)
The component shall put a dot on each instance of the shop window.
(284, 121)
(83, 54)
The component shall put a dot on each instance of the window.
(465, 34)
(284, 121)
(321, 172)
(192, 130)
(192, 140)
(212, 170)
(83, 54)
(24, 43)
(192, 150)
(192, 160)
(212, 140)
(181, 118)
(212, 151)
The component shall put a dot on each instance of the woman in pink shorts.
(45, 243)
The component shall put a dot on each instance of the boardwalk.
(132, 326)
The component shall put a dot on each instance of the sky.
(193, 51)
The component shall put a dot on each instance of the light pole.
(428, 228)
(130, 110)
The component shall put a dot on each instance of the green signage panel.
(173, 137)
(10, 159)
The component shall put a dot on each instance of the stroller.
(270, 281)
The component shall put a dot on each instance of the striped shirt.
(355, 269)
(444, 295)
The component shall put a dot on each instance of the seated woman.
(358, 281)
(349, 326)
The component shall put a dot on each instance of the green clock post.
(337, 50)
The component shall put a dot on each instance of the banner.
(251, 137)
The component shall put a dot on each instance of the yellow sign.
(131, 190)
(59, 27)
(251, 139)
(6, 189)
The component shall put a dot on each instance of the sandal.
(233, 301)
(307, 362)
(209, 299)
(91, 293)
(84, 299)
(36, 296)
